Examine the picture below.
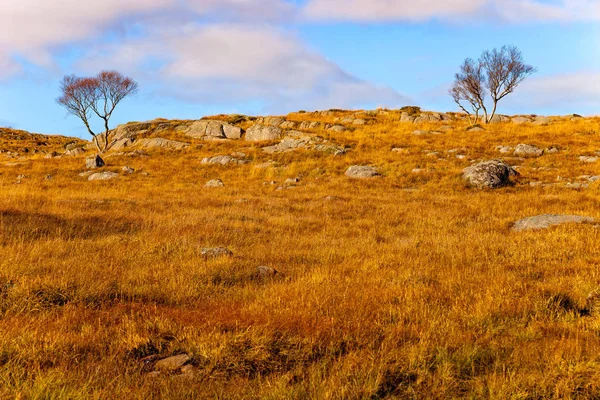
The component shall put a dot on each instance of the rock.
(401, 150)
(288, 125)
(547, 220)
(475, 129)
(262, 133)
(405, 117)
(291, 181)
(171, 364)
(94, 162)
(215, 183)
(130, 130)
(271, 121)
(588, 159)
(216, 252)
(309, 125)
(361, 171)
(520, 120)
(222, 160)
(77, 151)
(337, 128)
(121, 144)
(52, 154)
(489, 174)
(527, 150)
(542, 121)
(504, 149)
(551, 150)
(264, 271)
(213, 129)
(500, 118)
(102, 176)
(161, 144)
(128, 170)
(359, 121)
(331, 149)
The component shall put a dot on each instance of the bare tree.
(497, 73)
(99, 95)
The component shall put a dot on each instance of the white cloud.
(389, 10)
(577, 90)
(230, 63)
(422, 10)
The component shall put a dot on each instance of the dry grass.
(405, 286)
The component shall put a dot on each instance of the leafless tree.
(99, 95)
(497, 73)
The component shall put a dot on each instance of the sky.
(194, 58)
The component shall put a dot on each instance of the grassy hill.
(406, 285)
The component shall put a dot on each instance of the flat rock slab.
(548, 220)
(102, 176)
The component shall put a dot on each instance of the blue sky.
(200, 57)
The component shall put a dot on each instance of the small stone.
(361, 171)
(216, 252)
(588, 159)
(173, 363)
(128, 170)
(215, 183)
(528, 150)
(266, 271)
(291, 181)
(49, 177)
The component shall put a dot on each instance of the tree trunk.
(494, 110)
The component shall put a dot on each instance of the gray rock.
(160, 143)
(215, 183)
(500, 118)
(548, 220)
(405, 117)
(475, 129)
(527, 150)
(216, 252)
(102, 176)
(213, 129)
(121, 144)
(504, 149)
(52, 154)
(171, 364)
(361, 171)
(222, 160)
(337, 128)
(551, 150)
(262, 133)
(489, 174)
(94, 162)
(542, 121)
(520, 120)
(77, 151)
(128, 170)
(359, 121)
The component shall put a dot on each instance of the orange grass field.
(410, 285)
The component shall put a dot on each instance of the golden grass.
(405, 286)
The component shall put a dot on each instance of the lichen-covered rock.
(160, 143)
(361, 171)
(489, 174)
(259, 133)
(528, 150)
(102, 176)
(212, 129)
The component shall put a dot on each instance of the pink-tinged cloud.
(229, 63)
(464, 10)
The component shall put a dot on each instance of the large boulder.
(261, 133)
(528, 150)
(498, 118)
(361, 171)
(521, 120)
(130, 130)
(489, 174)
(542, 121)
(548, 220)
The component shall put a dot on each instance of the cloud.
(577, 90)
(229, 63)
(423, 10)
(389, 10)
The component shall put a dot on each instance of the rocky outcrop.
(298, 140)
(489, 174)
(548, 220)
(210, 129)
(160, 143)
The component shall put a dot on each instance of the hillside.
(242, 245)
